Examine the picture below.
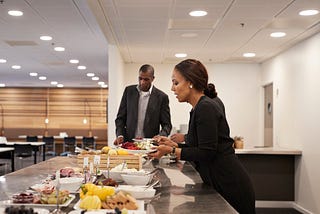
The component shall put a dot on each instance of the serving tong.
(151, 185)
(58, 185)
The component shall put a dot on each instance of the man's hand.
(118, 140)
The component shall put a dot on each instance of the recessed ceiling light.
(90, 74)
(278, 34)
(104, 86)
(15, 13)
(82, 67)
(2, 85)
(198, 13)
(54, 83)
(60, 85)
(180, 55)
(95, 78)
(249, 55)
(33, 74)
(189, 35)
(16, 67)
(308, 12)
(46, 38)
(42, 78)
(74, 61)
(59, 49)
(100, 83)
(3, 60)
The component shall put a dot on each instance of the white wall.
(296, 74)
(116, 75)
(237, 85)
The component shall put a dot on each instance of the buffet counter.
(269, 151)
(272, 171)
(181, 188)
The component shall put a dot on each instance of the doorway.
(268, 115)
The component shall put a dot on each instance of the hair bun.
(210, 91)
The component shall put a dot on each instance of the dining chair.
(32, 138)
(69, 145)
(22, 152)
(50, 145)
(88, 142)
(3, 163)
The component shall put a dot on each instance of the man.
(143, 109)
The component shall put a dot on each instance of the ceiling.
(71, 24)
(145, 31)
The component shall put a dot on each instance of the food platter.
(36, 210)
(140, 151)
(10, 203)
(140, 209)
(140, 146)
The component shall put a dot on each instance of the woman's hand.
(161, 150)
(161, 140)
(178, 138)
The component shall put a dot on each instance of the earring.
(190, 86)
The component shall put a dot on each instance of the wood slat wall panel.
(26, 108)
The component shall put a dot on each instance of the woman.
(209, 145)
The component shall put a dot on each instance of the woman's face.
(180, 86)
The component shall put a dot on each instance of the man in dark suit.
(143, 109)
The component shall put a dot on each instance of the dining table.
(34, 145)
(180, 188)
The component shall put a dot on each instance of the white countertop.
(6, 149)
(56, 137)
(24, 143)
(269, 151)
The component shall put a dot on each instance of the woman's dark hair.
(196, 73)
(210, 91)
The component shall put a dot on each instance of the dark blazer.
(209, 147)
(157, 114)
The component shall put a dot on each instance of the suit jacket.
(157, 114)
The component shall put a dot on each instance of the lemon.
(103, 192)
(90, 203)
(105, 149)
(122, 152)
(112, 152)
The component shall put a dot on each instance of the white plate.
(40, 187)
(10, 203)
(141, 151)
(138, 192)
(105, 211)
(140, 204)
(36, 210)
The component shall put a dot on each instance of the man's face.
(145, 80)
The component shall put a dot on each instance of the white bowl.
(72, 184)
(137, 191)
(115, 175)
(136, 179)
